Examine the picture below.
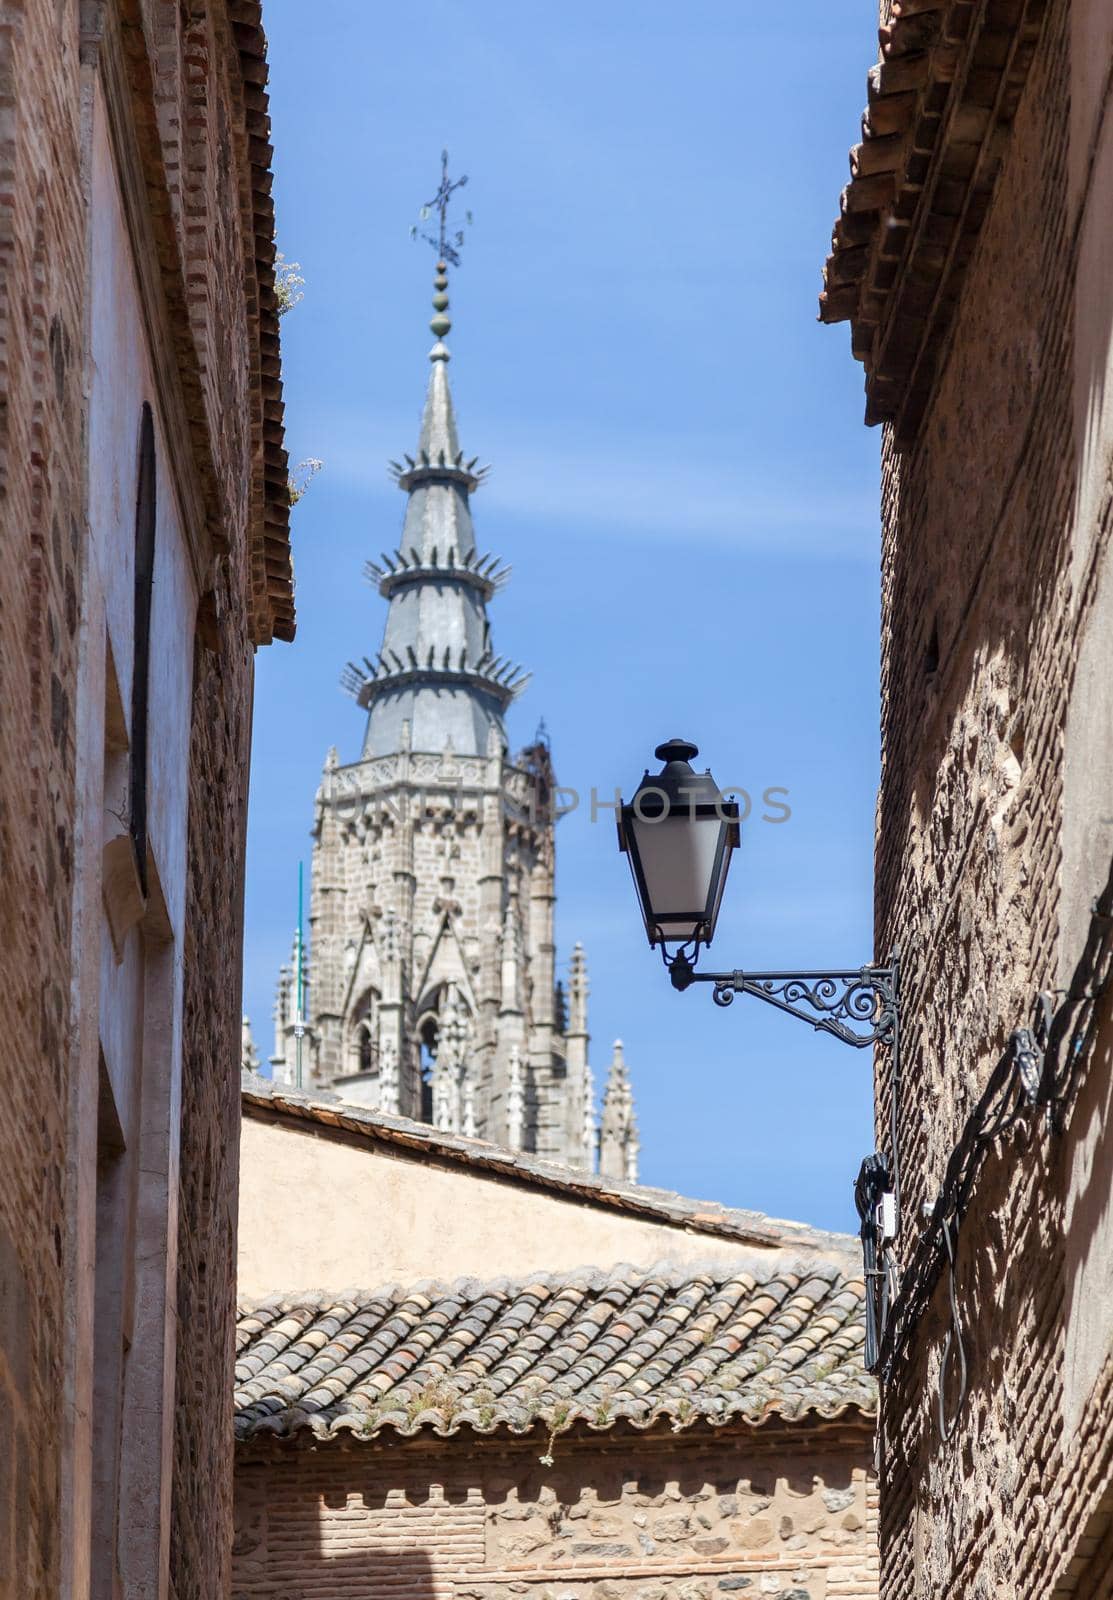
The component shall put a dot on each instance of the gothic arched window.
(365, 1046)
(363, 1051)
(427, 1035)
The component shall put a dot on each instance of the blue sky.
(681, 480)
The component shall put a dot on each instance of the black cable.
(871, 1183)
(953, 1341)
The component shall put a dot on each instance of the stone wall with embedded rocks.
(995, 835)
(776, 1513)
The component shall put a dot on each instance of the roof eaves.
(271, 562)
(934, 134)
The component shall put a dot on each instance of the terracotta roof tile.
(749, 1339)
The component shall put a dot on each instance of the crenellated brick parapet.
(706, 1514)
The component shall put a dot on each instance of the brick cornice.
(271, 573)
(848, 1434)
(934, 134)
(114, 39)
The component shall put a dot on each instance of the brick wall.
(991, 589)
(223, 321)
(779, 1514)
(41, 271)
(68, 72)
(206, 1274)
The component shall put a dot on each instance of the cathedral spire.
(436, 668)
(432, 987)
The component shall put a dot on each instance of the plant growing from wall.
(289, 288)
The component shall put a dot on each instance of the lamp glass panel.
(677, 856)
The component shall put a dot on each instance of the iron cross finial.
(447, 246)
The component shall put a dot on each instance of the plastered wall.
(318, 1213)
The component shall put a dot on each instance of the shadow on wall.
(1088, 1231)
(294, 1539)
(364, 1575)
(279, 1558)
(396, 1518)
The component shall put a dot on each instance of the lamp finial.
(677, 750)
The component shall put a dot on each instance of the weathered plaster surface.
(317, 1213)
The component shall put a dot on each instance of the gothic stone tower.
(430, 988)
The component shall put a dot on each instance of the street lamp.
(679, 833)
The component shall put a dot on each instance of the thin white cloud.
(638, 491)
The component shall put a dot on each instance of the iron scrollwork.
(858, 1006)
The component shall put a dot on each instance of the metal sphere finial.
(448, 246)
(440, 322)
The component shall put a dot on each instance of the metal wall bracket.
(860, 1007)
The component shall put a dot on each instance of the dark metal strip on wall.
(1040, 1070)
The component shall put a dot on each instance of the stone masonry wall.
(42, 263)
(987, 605)
(774, 1514)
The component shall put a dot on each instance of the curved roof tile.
(748, 1339)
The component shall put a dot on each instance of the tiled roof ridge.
(468, 1285)
(941, 101)
(635, 1345)
(636, 1200)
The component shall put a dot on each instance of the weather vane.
(447, 246)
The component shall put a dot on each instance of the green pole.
(299, 1014)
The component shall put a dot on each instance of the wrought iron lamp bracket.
(861, 1006)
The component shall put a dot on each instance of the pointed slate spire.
(438, 444)
(436, 668)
